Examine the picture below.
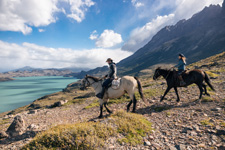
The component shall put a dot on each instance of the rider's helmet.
(109, 59)
(181, 55)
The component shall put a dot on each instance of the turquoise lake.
(24, 90)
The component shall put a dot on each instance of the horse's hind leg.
(128, 106)
(109, 111)
(101, 108)
(201, 90)
(178, 98)
(134, 103)
(205, 89)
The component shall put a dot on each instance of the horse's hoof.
(178, 100)
(207, 94)
(100, 116)
(161, 100)
(110, 112)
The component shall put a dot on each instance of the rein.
(89, 84)
(157, 72)
(168, 73)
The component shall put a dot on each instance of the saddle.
(175, 75)
(115, 83)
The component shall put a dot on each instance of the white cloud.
(78, 8)
(22, 15)
(137, 3)
(13, 56)
(140, 36)
(108, 39)
(93, 35)
(41, 30)
(183, 9)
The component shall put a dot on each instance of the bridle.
(88, 83)
(157, 72)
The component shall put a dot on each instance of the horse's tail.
(140, 90)
(207, 80)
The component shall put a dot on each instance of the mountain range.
(199, 37)
(30, 71)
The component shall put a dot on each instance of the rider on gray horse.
(110, 77)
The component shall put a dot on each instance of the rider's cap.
(109, 59)
(181, 55)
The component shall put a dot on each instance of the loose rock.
(17, 126)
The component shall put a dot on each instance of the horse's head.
(89, 81)
(157, 73)
(84, 83)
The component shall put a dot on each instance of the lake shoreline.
(5, 79)
(23, 91)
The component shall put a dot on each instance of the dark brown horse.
(194, 76)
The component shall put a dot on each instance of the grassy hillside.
(74, 124)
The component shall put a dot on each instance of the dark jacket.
(112, 71)
(181, 65)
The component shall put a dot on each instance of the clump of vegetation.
(92, 135)
(132, 126)
(152, 92)
(4, 121)
(93, 104)
(222, 124)
(207, 99)
(213, 75)
(206, 122)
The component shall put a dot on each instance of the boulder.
(32, 112)
(60, 103)
(17, 126)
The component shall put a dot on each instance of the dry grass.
(92, 135)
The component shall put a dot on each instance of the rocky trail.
(191, 124)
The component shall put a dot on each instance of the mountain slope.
(201, 36)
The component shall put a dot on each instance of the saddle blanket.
(116, 83)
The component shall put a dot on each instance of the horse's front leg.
(178, 98)
(105, 104)
(167, 90)
(101, 108)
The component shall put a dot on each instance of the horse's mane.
(165, 69)
(96, 79)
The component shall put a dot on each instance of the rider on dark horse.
(181, 68)
(110, 77)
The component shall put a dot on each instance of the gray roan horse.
(128, 85)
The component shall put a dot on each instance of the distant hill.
(201, 36)
(30, 71)
(27, 72)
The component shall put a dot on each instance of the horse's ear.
(86, 75)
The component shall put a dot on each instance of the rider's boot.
(182, 83)
(101, 94)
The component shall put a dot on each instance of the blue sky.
(83, 33)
